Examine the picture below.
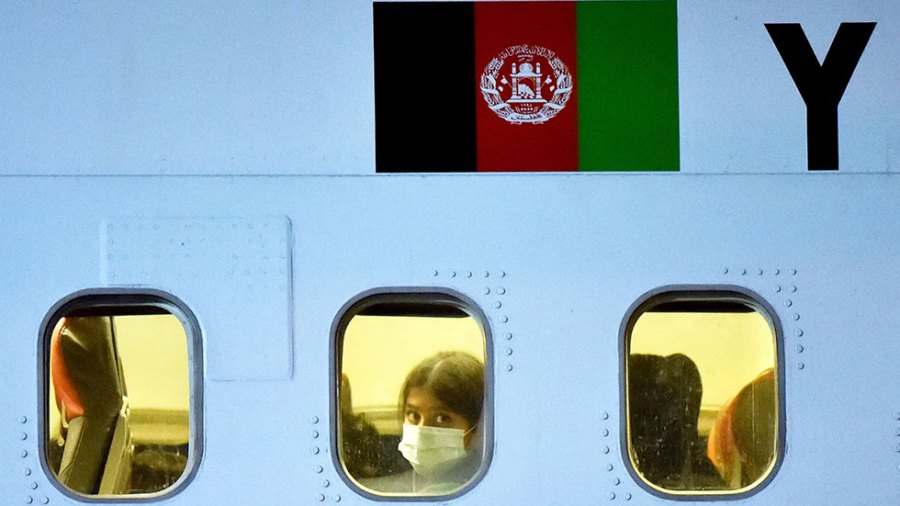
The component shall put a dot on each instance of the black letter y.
(821, 86)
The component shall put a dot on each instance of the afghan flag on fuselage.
(526, 86)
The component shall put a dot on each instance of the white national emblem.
(519, 90)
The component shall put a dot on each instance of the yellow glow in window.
(702, 394)
(411, 396)
(118, 402)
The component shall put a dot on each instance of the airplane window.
(410, 382)
(118, 393)
(702, 393)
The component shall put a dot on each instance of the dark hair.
(455, 378)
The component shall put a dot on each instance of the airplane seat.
(346, 394)
(359, 439)
(742, 441)
(664, 395)
(365, 452)
(89, 387)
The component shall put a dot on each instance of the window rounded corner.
(703, 394)
(120, 395)
(411, 371)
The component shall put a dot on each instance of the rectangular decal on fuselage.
(526, 86)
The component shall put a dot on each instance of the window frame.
(700, 293)
(435, 295)
(124, 298)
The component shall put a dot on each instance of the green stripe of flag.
(628, 86)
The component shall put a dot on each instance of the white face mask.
(432, 450)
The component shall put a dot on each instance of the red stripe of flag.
(502, 145)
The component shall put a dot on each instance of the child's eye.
(413, 417)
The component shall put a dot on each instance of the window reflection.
(411, 398)
(702, 393)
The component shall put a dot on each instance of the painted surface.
(202, 87)
(818, 248)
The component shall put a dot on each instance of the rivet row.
(897, 433)
(758, 271)
(503, 319)
(467, 274)
(318, 468)
(606, 450)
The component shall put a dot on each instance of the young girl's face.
(422, 407)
